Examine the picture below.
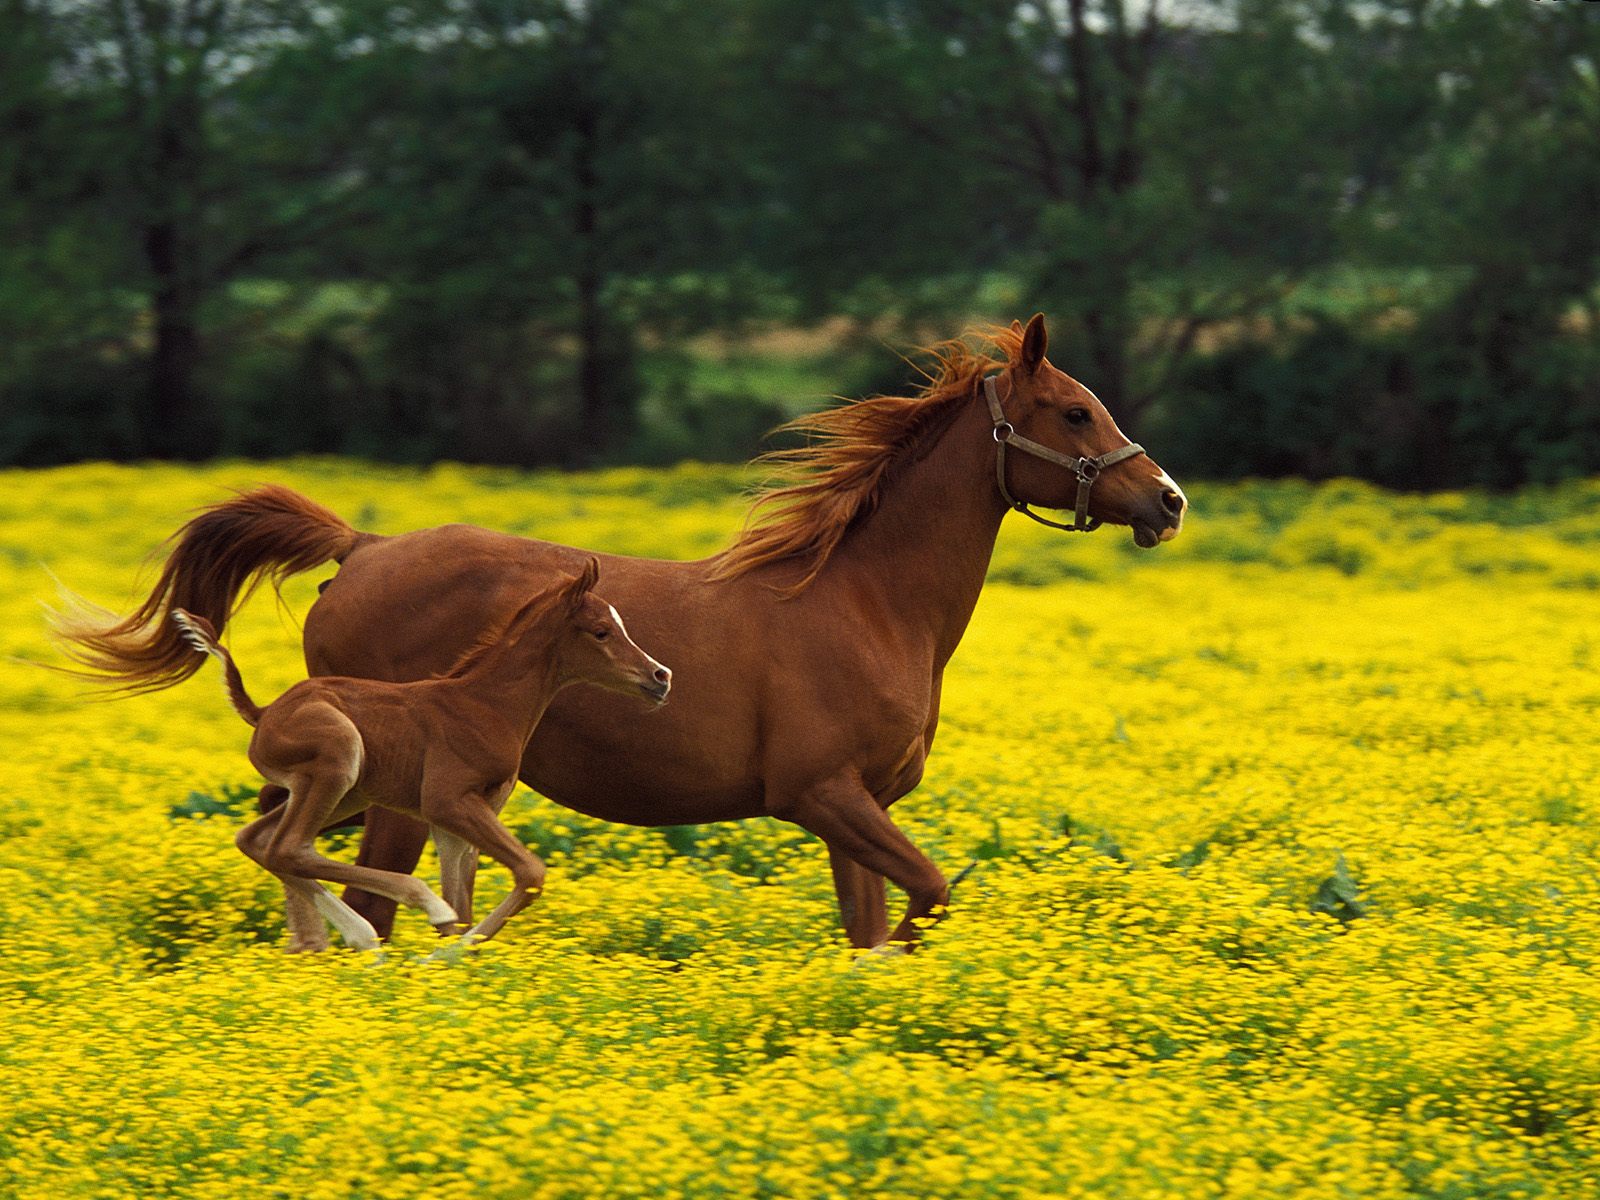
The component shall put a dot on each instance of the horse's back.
(405, 607)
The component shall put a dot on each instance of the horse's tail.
(198, 633)
(219, 559)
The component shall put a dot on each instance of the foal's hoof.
(452, 952)
(307, 945)
(439, 913)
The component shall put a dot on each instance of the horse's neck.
(516, 680)
(928, 543)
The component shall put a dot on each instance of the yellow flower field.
(1286, 838)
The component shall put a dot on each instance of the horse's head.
(1059, 414)
(594, 646)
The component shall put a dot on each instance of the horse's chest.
(890, 724)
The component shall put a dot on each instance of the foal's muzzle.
(659, 685)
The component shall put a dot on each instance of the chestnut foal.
(445, 750)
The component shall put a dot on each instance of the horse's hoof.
(879, 952)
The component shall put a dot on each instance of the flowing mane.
(495, 635)
(564, 591)
(821, 489)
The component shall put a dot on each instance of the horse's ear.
(1034, 341)
(583, 583)
(1016, 328)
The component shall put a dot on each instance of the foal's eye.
(1077, 416)
(601, 635)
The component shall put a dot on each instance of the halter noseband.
(1086, 469)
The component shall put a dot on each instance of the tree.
(161, 153)
(535, 172)
(1501, 204)
(1146, 180)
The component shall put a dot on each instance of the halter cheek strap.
(1086, 469)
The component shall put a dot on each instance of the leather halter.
(1086, 469)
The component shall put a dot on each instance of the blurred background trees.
(1276, 236)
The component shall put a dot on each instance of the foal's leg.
(308, 932)
(845, 815)
(322, 799)
(473, 818)
(458, 863)
(306, 902)
(458, 867)
(396, 840)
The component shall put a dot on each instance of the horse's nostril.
(663, 675)
(1172, 502)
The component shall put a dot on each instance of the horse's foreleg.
(845, 815)
(472, 819)
(862, 906)
(458, 869)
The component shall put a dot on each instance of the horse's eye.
(1077, 416)
(601, 635)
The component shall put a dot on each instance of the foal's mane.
(496, 634)
(819, 490)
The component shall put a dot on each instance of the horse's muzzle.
(1159, 521)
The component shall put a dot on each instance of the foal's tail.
(198, 633)
(219, 559)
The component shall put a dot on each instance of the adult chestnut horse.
(807, 657)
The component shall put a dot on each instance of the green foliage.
(236, 800)
(1276, 236)
(1338, 896)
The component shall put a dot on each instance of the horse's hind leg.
(308, 931)
(397, 841)
(293, 850)
(306, 902)
(322, 905)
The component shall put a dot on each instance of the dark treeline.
(1277, 236)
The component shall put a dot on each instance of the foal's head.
(593, 646)
(1057, 411)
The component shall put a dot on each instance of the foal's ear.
(583, 583)
(1034, 341)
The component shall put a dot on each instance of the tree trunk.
(175, 425)
(604, 367)
(594, 400)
